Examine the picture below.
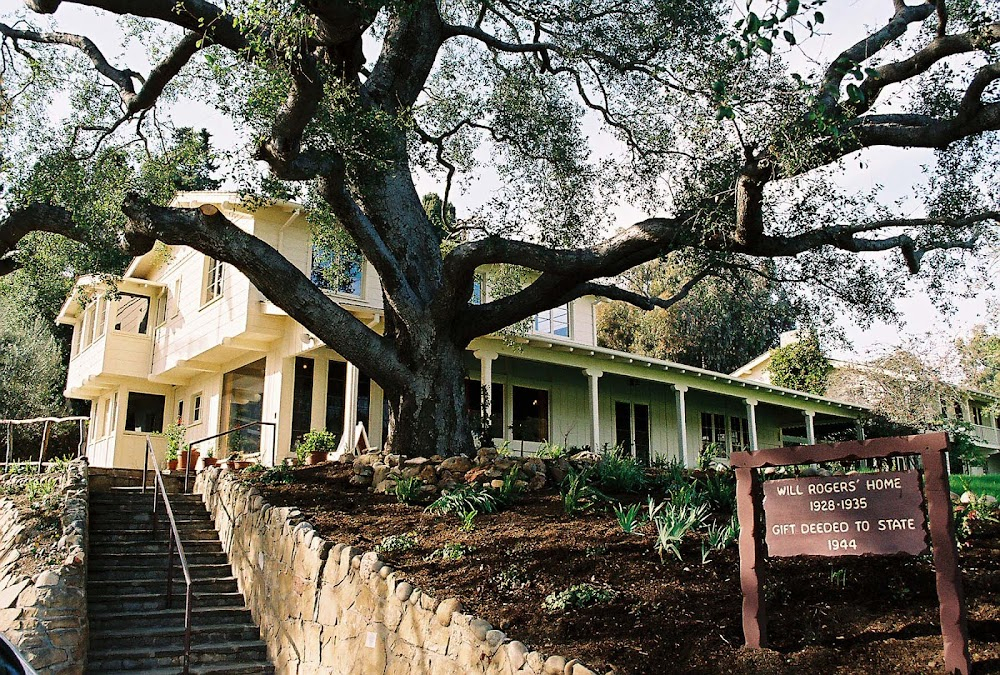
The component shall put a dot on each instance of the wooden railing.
(160, 490)
(46, 433)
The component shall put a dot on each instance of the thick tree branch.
(32, 218)
(644, 301)
(408, 54)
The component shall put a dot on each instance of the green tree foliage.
(441, 217)
(801, 365)
(723, 323)
(31, 365)
(979, 356)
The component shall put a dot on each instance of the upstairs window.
(977, 415)
(333, 271)
(477, 293)
(553, 321)
(214, 279)
(133, 314)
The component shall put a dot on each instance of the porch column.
(486, 380)
(279, 390)
(350, 407)
(321, 371)
(375, 410)
(752, 424)
(595, 407)
(859, 430)
(810, 426)
(682, 438)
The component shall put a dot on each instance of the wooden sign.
(804, 516)
(859, 514)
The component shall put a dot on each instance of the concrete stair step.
(112, 657)
(173, 636)
(200, 616)
(101, 550)
(134, 602)
(197, 531)
(157, 571)
(105, 589)
(101, 562)
(251, 668)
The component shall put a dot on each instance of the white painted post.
(486, 378)
(752, 424)
(859, 430)
(595, 407)
(682, 438)
(350, 408)
(810, 426)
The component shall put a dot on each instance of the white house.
(189, 339)
(973, 407)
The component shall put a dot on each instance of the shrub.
(510, 491)
(396, 543)
(277, 475)
(577, 493)
(407, 489)
(452, 551)
(672, 523)
(720, 536)
(719, 492)
(618, 472)
(580, 595)
(628, 518)
(462, 500)
(550, 451)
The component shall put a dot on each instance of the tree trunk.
(428, 416)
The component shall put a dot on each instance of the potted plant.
(237, 462)
(187, 456)
(315, 446)
(175, 444)
(209, 459)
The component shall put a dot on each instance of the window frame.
(551, 320)
(197, 412)
(321, 282)
(214, 280)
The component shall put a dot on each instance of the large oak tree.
(720, 127)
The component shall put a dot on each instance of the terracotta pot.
(171, 465)
(209, 461)
(237, 465)
(316, 457)
(189, 456)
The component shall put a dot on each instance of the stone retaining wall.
(45, 615)
(330, 608)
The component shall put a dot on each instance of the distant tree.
(722, 323)
(802, 365)
(979, 358)
(31, 365)
(442, 217)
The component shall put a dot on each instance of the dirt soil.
(38, 543)
(845, 615)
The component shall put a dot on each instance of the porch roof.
(568, 353)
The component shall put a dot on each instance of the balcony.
(988, 436)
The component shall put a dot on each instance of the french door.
(632, 429)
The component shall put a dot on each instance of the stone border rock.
(334, 609)
(45, 615)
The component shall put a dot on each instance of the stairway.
(131, 628)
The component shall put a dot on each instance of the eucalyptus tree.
(703, 114)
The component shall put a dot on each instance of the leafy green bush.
(464, 499)
(721, 535)
(277, 475)
(508, 493)
(396, 543)
(672, 523)
(580, 595)
(452, 551)
(719, 491)
(407, 489)
(577, 493)
(317, 440)
(628, 518)
(551, 451)
(618, 472)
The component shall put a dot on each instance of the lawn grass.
(988, 484)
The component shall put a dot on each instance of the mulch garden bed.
(843, 615)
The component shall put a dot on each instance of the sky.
(896, 170)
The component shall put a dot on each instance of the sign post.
(860, 514)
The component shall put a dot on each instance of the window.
(977, 414)
(530, 414)
(331, 272)
(336, 397)
(474, 406)
(100, 318)
(214, 279)
(713, 430)
(88, 326)
(110, 415)
(180, 411)
(161, 309)
(302, 391)
(739, 433)
(477, 293)
(133, 314)
(553, 321)
(959, 413)
(196, 409)
(75, 349)
(145, 413)
(242, 403)
(176, 307)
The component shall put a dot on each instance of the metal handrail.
(175, 537)
(274, 444)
